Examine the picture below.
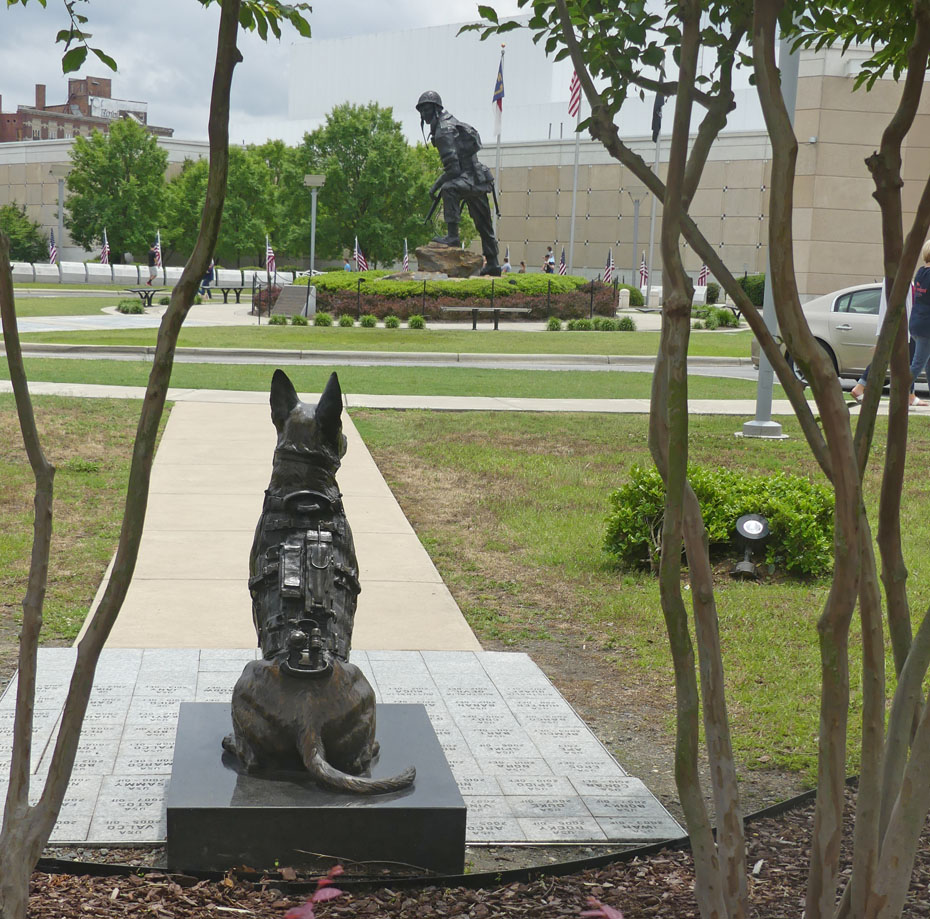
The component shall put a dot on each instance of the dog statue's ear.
(283, 398)
(329, 408)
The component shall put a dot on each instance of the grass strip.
(90, 443)
(31, 307)
(388, 380)
(483, 341)
(511, 508)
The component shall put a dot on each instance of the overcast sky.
(165, 52)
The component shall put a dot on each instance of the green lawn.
(90, 443)
(511, 508)
(62, 306)
(390, 380)
(484, 341)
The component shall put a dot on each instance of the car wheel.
(799, 373)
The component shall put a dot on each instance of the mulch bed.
(659, 885)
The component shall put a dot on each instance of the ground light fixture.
(753, 530)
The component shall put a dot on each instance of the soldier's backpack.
(469, 140)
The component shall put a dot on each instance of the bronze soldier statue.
(464, 180)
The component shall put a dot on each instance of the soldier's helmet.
(430, 97)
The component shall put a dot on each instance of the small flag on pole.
(269, 256)
(574, 95)
(643, 272)
(609, 267)
(657, 116)
(105, 251)
(158, 248)
(361, 263)
(562, 268)
(702, 276)
(406, 257)
(498, 98)
(52, 248)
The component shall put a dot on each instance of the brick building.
(90, 106)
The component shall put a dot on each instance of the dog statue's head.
(308, 435)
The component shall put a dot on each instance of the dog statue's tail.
(337, 780)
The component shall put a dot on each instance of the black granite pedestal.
(218, 818)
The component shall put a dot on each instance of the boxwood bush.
(130, 306)
(416, 322)
(754, 285)
(323, 320)
(368, 321)
(277, 320)
(800, 516)
(346, 321)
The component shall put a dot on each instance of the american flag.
(406, 257)
(562, 268)
(269, 256)
(609, 267)
(643, 272)
(105, 251)
(361, 264)
(497, 99)
(574, 95)
(52, 248)
(702, 276)
(158, 248)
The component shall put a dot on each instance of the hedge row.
(568, 298)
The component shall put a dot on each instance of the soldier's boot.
(492, 268)
(452, 237)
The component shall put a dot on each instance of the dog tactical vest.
(305, 582)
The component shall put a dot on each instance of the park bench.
(227, 290)
(474, 310)
(145, 294)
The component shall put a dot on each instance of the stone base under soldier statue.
(220, 817)
(451, 260)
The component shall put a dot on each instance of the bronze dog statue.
(304, 705)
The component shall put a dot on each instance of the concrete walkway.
(208, 480)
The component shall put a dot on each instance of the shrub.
(322, 320)
(800, 516)
(554, 324)
(277, 320)
(416, 322)
(298, 320)
(346, 321)
(164, 301)
(391, 322)
(579, 325)
(368, 321)
(197, 299)
(130, 306)
(626, 324)
(754, 285)
(713, 292)
(606, 324)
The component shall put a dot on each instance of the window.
(861, 302)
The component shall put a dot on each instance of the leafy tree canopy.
(247, 213)
(27, 242)
(377, 185)
(117, 184)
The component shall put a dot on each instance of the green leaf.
(105, 58)
(74, 59)
(488, 12)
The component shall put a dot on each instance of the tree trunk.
(27, 829)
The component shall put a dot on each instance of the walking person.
(919, 325)
(152, 271)
(207, 280)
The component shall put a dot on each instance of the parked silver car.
(844, 323)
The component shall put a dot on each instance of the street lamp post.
(60, 172)
(314, 183)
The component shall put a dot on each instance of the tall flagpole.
(497, 167)
(652, 225)
(571, 234)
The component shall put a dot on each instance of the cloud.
(165, 52)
